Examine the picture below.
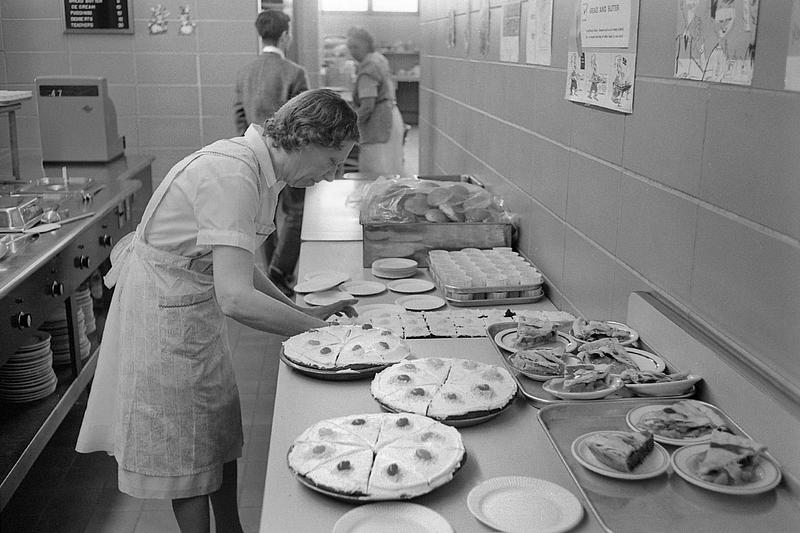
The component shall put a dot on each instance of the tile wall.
(693, 196)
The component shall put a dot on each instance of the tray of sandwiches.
(662, 464)
(550, 365)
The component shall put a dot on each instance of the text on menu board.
(97, 15)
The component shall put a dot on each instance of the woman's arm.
(365, 109)
(250, 298)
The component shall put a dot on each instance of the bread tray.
(538, 397)
(665, 502)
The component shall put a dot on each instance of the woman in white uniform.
(164, 400)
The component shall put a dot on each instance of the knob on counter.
(57, 289)
(106, 240)
(22, 320)
(82, 261)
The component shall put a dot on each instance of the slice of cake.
(591, 330)
(585, 378)
(533, 332)
(683, 419)
(543, 361)
(730, 459)
(607, 352)
(622, 451)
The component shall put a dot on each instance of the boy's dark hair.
(271, 24)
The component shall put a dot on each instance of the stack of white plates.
(83, 298)
(394, 267)
(56, 326)
(28, 374)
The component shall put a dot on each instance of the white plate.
(321, 282)
(393, 274)
(363, 288)
(389, 264)
(420, 303)
(519, 504)
(504, 340)
(391, 517)
(632, 338)
(655, 464)
(685, 461)
(379, 309)
(553, 386)
(635, 415)
(326, 297)
(644, 360)
(317, 273)
(668, 388)
(410, 286)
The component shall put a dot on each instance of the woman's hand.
(336, 308)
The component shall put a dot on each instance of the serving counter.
(511, 444)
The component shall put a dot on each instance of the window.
(393, 6)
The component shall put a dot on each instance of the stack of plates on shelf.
(56, 326)
(394, 267)
(28, 374)
(83, 298)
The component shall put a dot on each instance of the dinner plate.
(391, 517)
(410, 286)
(520, 504)
(504, 340)
(378, 273)
(685, 462)
(363, 287)
(317, 273)
(633, 335)
(326, 297)
(321, 282)
(655, 464)
(667, 388)
(553, 386)
(644, 360)
(390, 264)
(635, 415)
(420, 302)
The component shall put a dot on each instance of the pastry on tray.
(347, 347)
(622, 451)
(444, 389)
(539, 361)
(592, 330)
(730, 459)
(682, 420)
(637, 376)
(532, 332)
(585, 378)
(380, 456)
(607, 352)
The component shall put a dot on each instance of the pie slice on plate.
(348, 473)
(365, 427)
(308, 455)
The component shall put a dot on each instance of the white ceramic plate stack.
(83, 297)
(56, 326)
(28, 374)
(394, 268)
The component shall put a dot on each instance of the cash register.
(77, 120)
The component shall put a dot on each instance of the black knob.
(82, 261)
(57, 288)
(22, 320)
(106, 240)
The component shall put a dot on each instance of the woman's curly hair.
(318, 116)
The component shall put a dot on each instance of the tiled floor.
(70, 492)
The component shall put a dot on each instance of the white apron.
(164, 400)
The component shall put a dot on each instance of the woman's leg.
(226, 509)
(192, 514)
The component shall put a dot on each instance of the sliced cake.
(622, 451)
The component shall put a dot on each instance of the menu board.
(98, 16)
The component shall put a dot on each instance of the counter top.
(331, 211)
(512, 443)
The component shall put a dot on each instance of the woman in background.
(379, 120)
(164, 400)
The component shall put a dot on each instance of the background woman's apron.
(164, 399)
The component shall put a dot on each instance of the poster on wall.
(716, 40)
(602, 74)
(509, 37)
(793, 55)
(484, 28)
(539, 32)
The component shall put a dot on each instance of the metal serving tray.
(19, 213)
(536, 395)
(666, 502)
(56, 186)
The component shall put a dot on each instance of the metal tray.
(18, 214)
(536, 395)
(666, 502)
(56, 186)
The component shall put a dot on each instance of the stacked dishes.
(28, 374)
(394, 268)
(56, 326)
(83, 298)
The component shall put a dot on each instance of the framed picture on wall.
(98, 16)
